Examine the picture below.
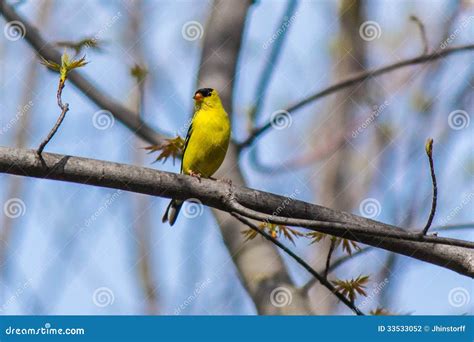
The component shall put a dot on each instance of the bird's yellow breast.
(208, 142)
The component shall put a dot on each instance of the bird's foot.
(195, 174)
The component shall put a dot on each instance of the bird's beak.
(198, 97)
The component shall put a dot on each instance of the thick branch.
(444, 252)
(358, 78)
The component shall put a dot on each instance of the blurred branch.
(453, 254)
(429, 153)
(358, 78)
(270, 65)
(48, 52)
(322, 279)
(142, 223)
(421, 28)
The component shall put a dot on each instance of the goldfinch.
(206, 142)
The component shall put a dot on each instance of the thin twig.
(64, 108)
(429, 153)
(422, 30)
(332, 246)
(355, 79)
(310, 283)
(315, 274)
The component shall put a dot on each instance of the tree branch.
(429, 153)
(358, 78)
(456, 255)
(421, 28)
(64, 108)
(49, 53)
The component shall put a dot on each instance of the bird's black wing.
(186, 141)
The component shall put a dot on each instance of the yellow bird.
(206, 142)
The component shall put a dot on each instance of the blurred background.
(72, 249)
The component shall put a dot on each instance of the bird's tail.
(172, 211)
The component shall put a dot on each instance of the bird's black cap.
(206, 92)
